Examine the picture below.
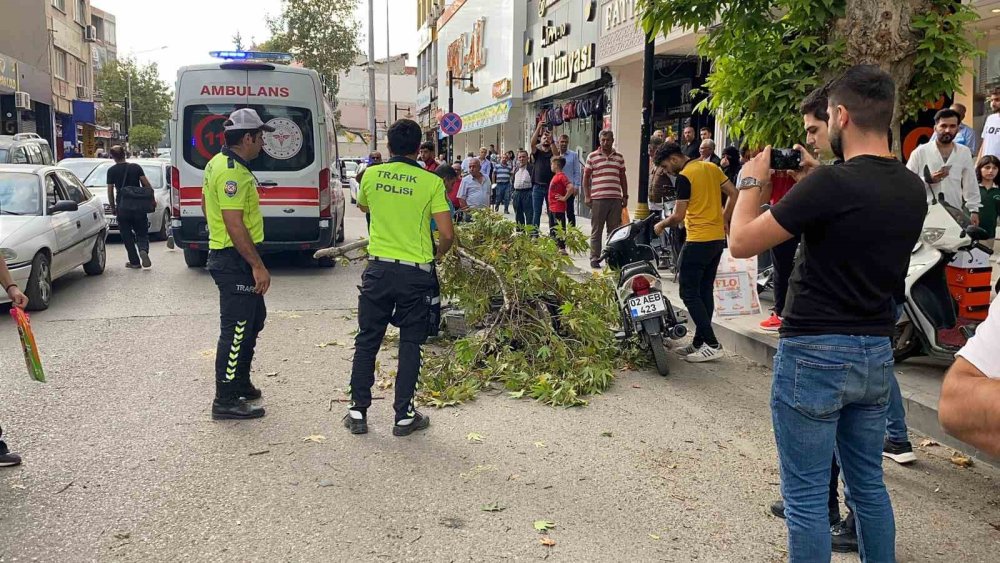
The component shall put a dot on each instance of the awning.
(83, 112)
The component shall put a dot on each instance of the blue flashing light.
(250, 55)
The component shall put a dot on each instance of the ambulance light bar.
(250, 55)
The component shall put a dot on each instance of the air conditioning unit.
(90, 34)
(22, 100)
(433, 15)
(82, 93)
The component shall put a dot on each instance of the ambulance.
(297, 174)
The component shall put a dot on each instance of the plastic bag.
(736, 286)
(31, 359)
(625, 218)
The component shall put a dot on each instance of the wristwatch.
(749, 182)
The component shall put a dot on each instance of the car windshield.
(3, 155)
(19, 194)
(99, 177)
(82, 168)
(350, 166)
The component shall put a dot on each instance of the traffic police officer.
(235, 227)
(400, 284)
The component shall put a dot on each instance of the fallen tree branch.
(337, 251)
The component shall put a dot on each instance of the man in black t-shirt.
(133, 224)
(541, 172)
(832, 371)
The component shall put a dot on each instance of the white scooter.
(929, 324)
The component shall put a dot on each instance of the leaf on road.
(493, 507)
(516, 394)
(606, 434)
(539, 444)
(207, 353)
(672, 466)
(654, 536)
(315, 438)
(961, 460)
(544, 525)
(330, 343)
(547, 541)
(271, 374)
(474, 437)
(928, 442)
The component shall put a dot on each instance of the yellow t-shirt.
(229, 184)
(700, 183)
(401, 197)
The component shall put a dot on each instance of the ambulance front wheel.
(195, 258)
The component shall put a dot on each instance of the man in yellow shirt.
(700, 185)
(235, 227)
(400, 285)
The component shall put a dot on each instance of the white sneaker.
(705, 354)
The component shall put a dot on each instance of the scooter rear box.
(968, 277)
(970, 296)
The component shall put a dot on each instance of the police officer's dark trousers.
(241, 314)
(401, 295)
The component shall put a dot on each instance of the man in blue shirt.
(966, 135)
(573, 171)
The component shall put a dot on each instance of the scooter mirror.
(976, 233)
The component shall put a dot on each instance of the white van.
(300, 198)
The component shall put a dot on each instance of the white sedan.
(156, 172)
(50, 224)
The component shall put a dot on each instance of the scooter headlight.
(931, 235)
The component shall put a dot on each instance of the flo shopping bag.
(736, 286)
(31, 359)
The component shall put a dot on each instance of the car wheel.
(340, 231)
(162, 233)
(195, 258)
(326, 262)
(39, 290)
(98, 257)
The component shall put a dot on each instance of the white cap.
(246, 119)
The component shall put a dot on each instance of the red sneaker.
(772, 323)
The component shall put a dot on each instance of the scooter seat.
(636, 268)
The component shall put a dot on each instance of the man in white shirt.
(947, 167)
(970, 395)
(991, 129)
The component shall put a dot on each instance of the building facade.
(103, 51)
(428, 12)
(25, 79)
(481, 40)
(353, 102)
(72, 72)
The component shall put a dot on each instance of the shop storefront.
(36, 117)
(562, 84)
(677, 72)
(477, 41)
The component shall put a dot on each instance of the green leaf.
(544, 525)
(493, 507)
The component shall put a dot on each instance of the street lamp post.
(451, 104)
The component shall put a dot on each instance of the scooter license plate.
(645, 306)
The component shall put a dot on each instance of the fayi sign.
(466, 54)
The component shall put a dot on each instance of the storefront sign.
(424, 98)
(552, 33)
(467, 54)
(8, 73)
(620, 32)
(556, 68)
(501, 88)
(487, 116)
(543, 7)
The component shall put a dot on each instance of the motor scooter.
(929, 324)
(645, 312)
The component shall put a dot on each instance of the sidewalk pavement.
(919, 378)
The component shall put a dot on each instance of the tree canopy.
(144, 136)
(768, 55)
(151, 98)
(320, 34)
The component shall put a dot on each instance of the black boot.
(844, 536)
(778, 509)
(236, 409)
(250, 392)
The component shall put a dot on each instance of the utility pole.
(388, 67)
(371, 74)
(648, 58)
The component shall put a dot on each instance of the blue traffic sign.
(451, 124)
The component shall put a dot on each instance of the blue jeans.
(895, 427)
(830, 396)
(539, 195)
(523, 209)
(502, 196)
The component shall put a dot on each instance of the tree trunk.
(878, 32)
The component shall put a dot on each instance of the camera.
(785, 159)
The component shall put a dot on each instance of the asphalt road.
(123, 461)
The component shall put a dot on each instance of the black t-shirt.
(124, 174)
(692, 150)
(542, 171)
(859, 222)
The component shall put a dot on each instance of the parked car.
(157, 173)
(82, 167)
(348, 167)
(49, 225)
(25, 148)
